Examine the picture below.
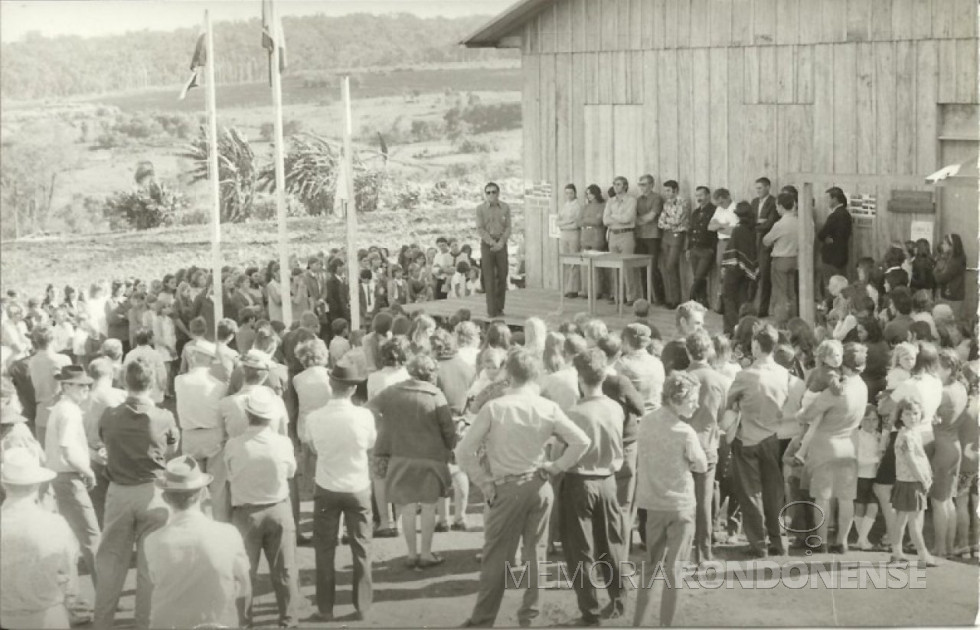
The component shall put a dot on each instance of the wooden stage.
(545, 303)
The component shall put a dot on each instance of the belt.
(590, 227)
(521, 477)
(621, 230)
(586, 476)
(257, 506)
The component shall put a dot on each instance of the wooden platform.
(544, 303)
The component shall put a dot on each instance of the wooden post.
(214, 179)
(805, 235)
(285, 273)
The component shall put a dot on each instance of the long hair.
(596, 192)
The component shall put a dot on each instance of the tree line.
(51, 67)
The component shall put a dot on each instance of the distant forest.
(51, 67)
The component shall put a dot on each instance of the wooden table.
(579, 259)
(623, 264)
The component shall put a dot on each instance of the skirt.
(412, 480)
(908, 496)
(886, 469)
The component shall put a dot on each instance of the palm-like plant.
(236, 171)
(311, 166)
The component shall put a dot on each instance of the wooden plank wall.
(720, 92)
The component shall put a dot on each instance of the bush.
(471, 145)
(145, 208)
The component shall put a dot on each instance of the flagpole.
(213, 178)
(353, 269)
(285, 273)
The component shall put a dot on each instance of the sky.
(93, 18)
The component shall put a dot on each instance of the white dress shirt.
(341, 435)
(236, 422)
(66, 429)
(199, 396)
(724, 221)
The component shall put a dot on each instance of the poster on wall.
(863, 209)
(553, 230)
(921, 229)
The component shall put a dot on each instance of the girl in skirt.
(913, 477)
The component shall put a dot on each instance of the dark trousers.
(75, 504)
(99, 492)
(651, 247)
(702, 260)
(726, 486)
(493, 266)
(764, 283)
(674, 243)
(737, 286)
(591, 528)
(759, 486)
(272, 530)
(704, 494)
(356, 509)
(785, 284)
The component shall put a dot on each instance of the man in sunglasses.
(493, 223)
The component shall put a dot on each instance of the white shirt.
(235, 421)
(445, 264)
(199, 396)
(312, 387)
(387, 376)
(469, 355)
(726, 220)
(341, 435)
(66, 429)
(259, 463)
(561, 387)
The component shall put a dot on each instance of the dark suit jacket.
(337, 298)
(314, 288)
(837, 227)
(765, 217)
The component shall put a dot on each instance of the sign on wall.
(863, 206)
(553, 230)
(921, 229)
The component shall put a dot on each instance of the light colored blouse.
(570, 215)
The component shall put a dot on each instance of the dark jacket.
(414, 421)
(622, 391)
(337, 298)
(837, 228)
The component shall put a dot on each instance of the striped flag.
(198, 61)
(272, 36)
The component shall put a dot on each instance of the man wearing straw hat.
(259, 464)
(66, 453)
(198, 566)
(38, 551)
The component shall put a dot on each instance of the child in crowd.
(826, 375)
(913, 478)
(473, 279)
(834, 308)
(417, 289)
(458, 287)
(922, 305)
(64, 331)
(722, 360)
(397, 287)
(900, 368)
(868, 456)
(339, 345)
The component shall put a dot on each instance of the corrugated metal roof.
(490, 34)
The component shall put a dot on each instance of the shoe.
(777, 550)
(345, 540)
(428, 564)
(584, 622)
(441, 528)
(931, 561)
(459, 526)
(902, 560)
(320, 617)
(864, 545)
(613, 610)
(838, 548)
(411, 562)
(386, 532)
(304, 541)
(757, 552)
(571, 295)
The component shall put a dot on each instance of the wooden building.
(870, 95)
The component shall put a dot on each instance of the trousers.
(759, 486)
(328, 506)
(673, 242)
(570, 244)
(784, 283)
(131, 513)
(493, 268)
(520, 510)
(624, 243)
(702, 260)
(651, 247)
(75, 504)
(704, 493)
(270, 529)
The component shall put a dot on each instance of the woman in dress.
(416, 437)
(950, 272)
(947, 455)
(869, 333)
(312, 387)
(593, 232)
(273, 293)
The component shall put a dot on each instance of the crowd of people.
(135, 419)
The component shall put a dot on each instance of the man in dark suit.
(835, 238)
(316, 287)
(336, 298)
(764, 210)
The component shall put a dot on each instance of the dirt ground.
(444, 596)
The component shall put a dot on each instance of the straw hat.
(184, 474)
(21, 467)
(264, 403)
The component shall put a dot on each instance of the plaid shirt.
(676, 215)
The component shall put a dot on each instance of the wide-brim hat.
(73, 374)
(263, 402)
(255, 359)
(348, 373)
(183, 474)
(21, 467)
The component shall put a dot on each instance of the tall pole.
(285, 273)
(213, 178)
(353, 271)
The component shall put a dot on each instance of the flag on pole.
(198, 61)
(272, 36)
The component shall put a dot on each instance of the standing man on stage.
(620, 218)
(493, 224)
(766, 215)
(649, 205)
